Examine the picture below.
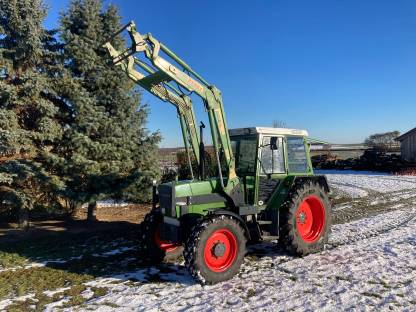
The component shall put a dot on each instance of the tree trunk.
(73, 208)
(92, 209)
(24, 218)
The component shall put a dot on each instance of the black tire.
(201, 235)
(149, 251)
(295, 239)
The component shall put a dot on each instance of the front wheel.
(306, 219)
(152, 248)
(215, 249)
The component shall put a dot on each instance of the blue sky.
(340, 69)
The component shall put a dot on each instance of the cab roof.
(267, 130)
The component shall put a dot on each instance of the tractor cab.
(266, 156)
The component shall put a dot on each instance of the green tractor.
(265, 188)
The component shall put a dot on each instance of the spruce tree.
(110, 151)
(30, 117)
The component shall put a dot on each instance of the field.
(369, 264)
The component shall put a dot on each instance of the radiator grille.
(167, 199)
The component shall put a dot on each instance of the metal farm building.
(408, 145)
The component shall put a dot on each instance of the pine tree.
(110, 152)
(30, 116)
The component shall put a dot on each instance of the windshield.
(244, 149)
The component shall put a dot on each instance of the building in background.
(408, 145)
(168, 157)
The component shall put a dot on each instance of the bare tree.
(278, 124)
(383, 141)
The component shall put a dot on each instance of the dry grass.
(68, 260)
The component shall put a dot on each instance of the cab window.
(296, 155)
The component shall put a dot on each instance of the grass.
(62, 246)
(84, 261)
(251, 292)
(37, 280)
(10, 259)
(340, 199)
(73, 297)
(110, 304)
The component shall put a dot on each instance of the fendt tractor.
(265, 188)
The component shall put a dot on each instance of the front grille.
(167, 198)
(169, 232)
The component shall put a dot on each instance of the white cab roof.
(267, 130)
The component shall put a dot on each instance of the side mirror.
(273, 144)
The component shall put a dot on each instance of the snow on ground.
(374, 273)
(361, 183)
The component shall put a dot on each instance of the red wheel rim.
(220, 250)
(164, 245)
(310, 219)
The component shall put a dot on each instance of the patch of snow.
(5, 303)
(51, 307)
(26, 267)
(109, 203)
(50, 293)
(116, 251)
(376, 183)
(87, 294)
(350, 172)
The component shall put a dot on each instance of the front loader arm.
(158, 77)
(166, 93)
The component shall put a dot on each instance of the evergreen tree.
(110, 152)
(30, 116)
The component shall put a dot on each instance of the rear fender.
(320, 179)
(281, 194)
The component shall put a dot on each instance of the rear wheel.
(151, 247)
(306, 219)
(215, 250)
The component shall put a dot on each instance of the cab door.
(245, 153)
(272, 166)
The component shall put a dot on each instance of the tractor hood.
(178, 198)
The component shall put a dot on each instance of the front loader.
(265, 188)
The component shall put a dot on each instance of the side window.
(272, 155)
(296, 155)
